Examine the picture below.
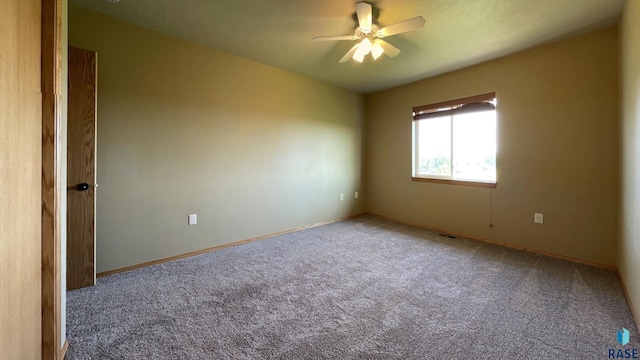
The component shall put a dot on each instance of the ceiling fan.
(370, 34)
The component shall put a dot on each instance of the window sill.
(456, 182)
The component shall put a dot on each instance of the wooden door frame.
(51, 85)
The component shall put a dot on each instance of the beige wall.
(558, 110)
(629, 248)
(184, 129)
(20, 121)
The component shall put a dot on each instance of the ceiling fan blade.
(389, 49)
(333, 38)
(349, 53)
(365, 17)
(403, 26)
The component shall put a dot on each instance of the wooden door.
(81, 168)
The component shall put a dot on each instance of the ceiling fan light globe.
(376, 50)
(365, 46)
(359, 56)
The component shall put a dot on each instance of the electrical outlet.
(356, 196)
(193, 219)
(538, 218)
(341, 197)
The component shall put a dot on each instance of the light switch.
(193, 219)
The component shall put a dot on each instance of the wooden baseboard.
(634, 313)
(500, 243)
(219, 247)
(64, 349)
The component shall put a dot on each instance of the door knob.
(82, 187)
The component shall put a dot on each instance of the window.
(455, 141)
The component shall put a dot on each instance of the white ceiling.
(458, 33)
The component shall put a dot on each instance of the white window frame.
(442, 109)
